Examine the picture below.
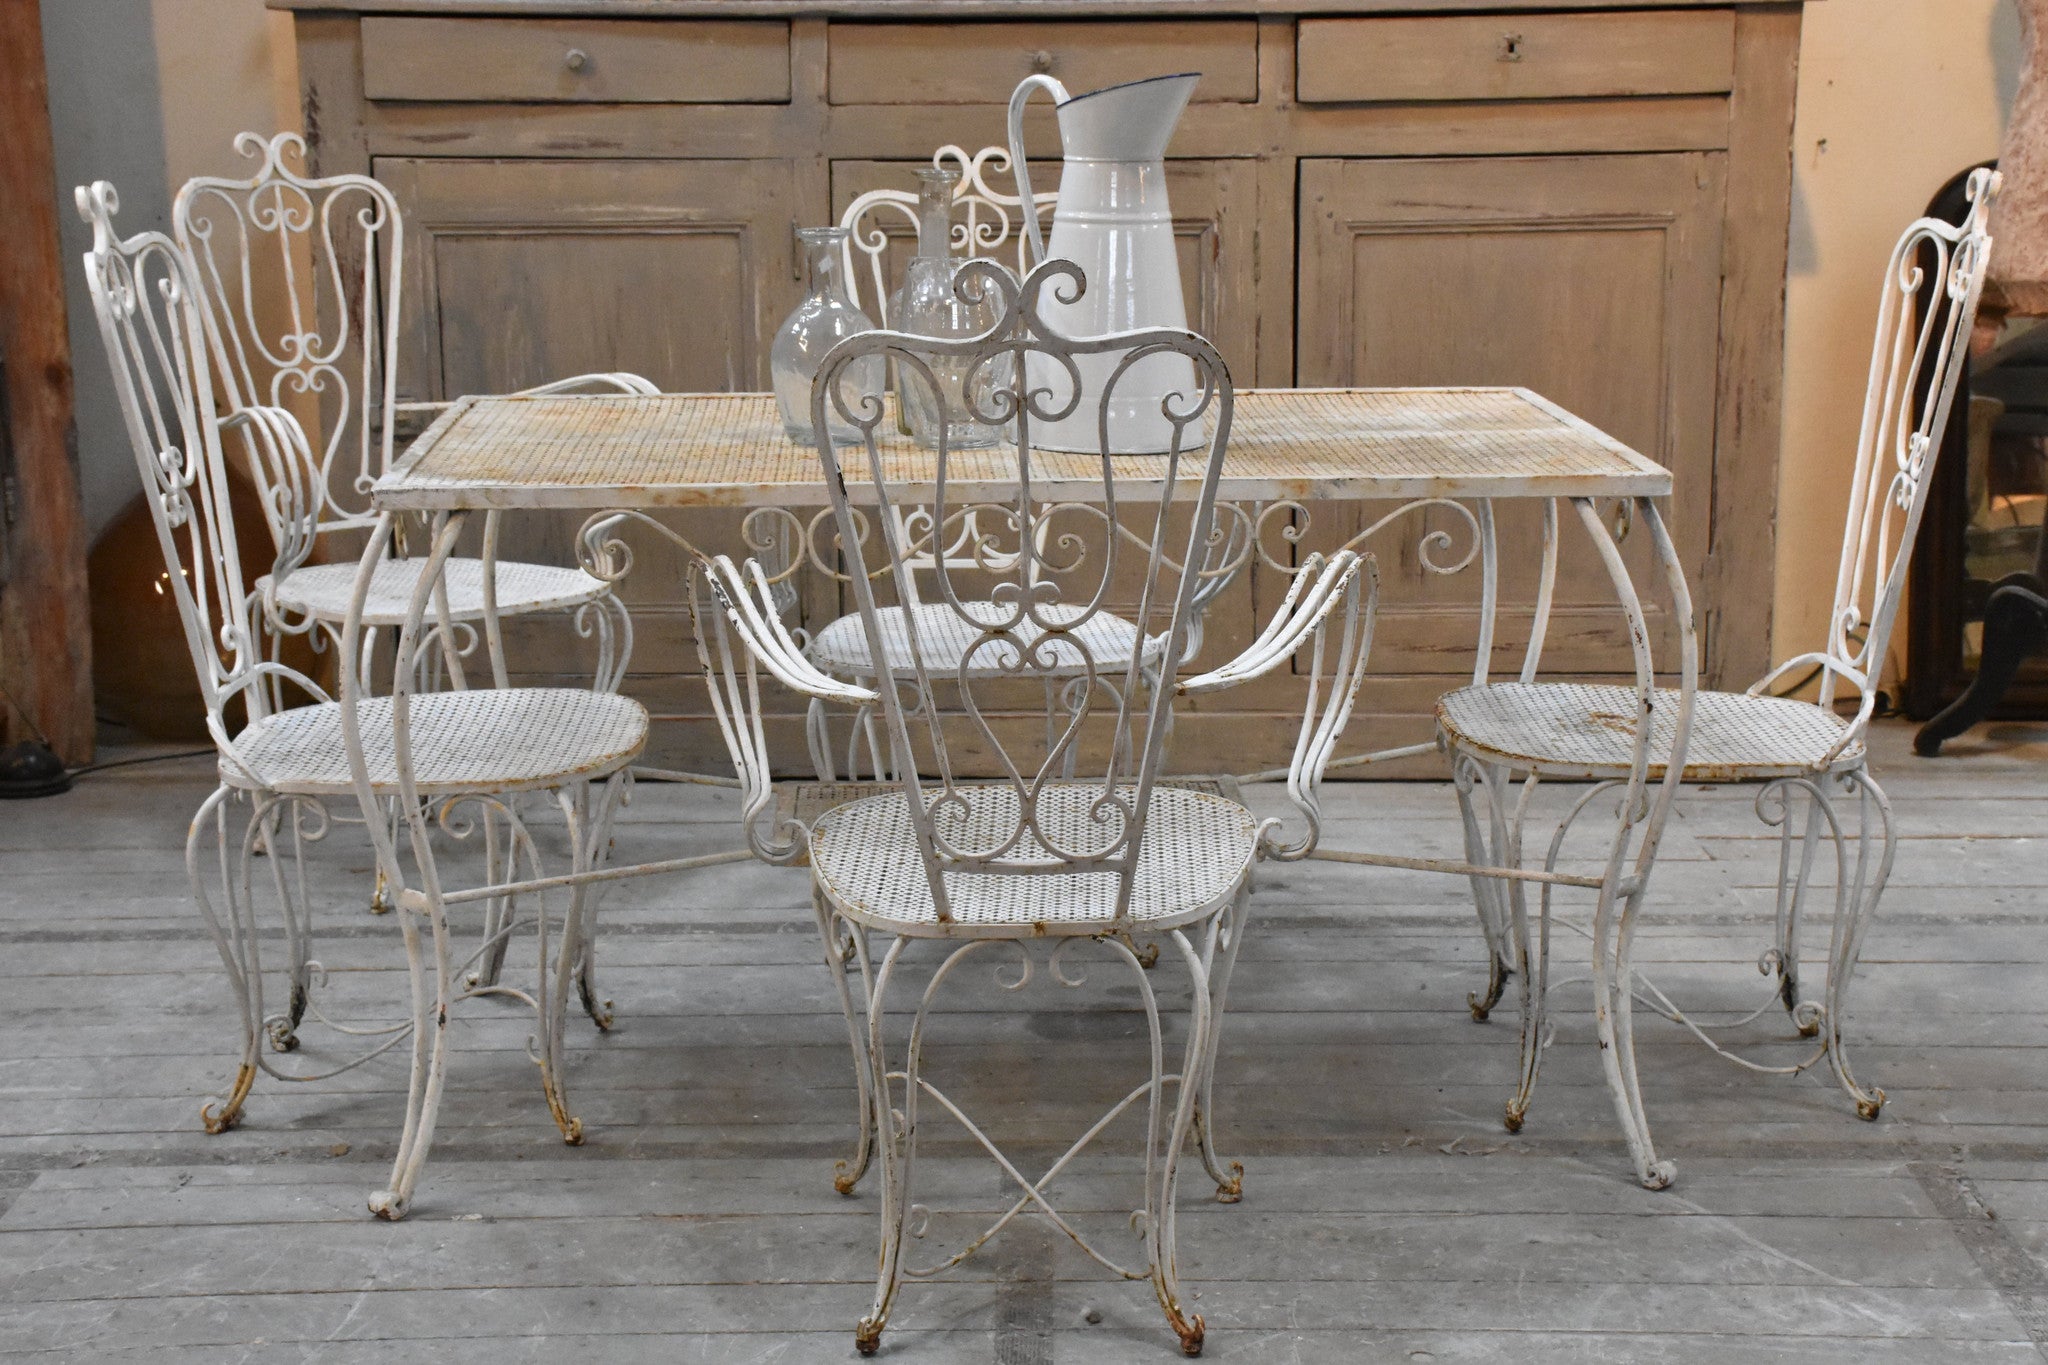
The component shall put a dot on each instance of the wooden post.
(45, 646)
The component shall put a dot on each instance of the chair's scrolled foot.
(386, 1204)
(572, 1131)
(1231, 1190)
(1496, 986)
(844, 1180)
(600, 1011)
(867, 1336)
(1871, 1107)
(1517, 1110)
(1807, 1015)
(1660, 1175)
(219, 1116)
(1190, 1331)
(283, 1029)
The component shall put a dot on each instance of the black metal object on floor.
(29, 769)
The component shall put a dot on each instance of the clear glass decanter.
(927, 305)
(824, 317)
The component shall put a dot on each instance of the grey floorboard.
(1387, 1217)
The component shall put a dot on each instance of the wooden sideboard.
(1588, 200)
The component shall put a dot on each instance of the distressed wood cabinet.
(1586, 198)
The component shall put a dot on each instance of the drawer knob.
(1509, 48)
(1041, 61)
(577, 59)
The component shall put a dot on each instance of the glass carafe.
(824, 317)
(927, 304)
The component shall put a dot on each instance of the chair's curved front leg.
(1876, 842)
(846, 951)
(1219, 960)
(232, 935)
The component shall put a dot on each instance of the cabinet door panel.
(518, 272)
(1594, 281)
(521, 272)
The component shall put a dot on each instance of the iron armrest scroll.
(746, 608)
(1313, 595)
(1352, 581)
(616, 381)
(749, 607)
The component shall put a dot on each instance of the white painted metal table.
(728, 450)
(1290, 450)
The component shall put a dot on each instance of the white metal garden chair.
(301, 291)
(1039, 854)
(989, 220)
(1808, 755)
(301, 282)
(280, 767)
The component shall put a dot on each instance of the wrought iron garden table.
(1460, 449)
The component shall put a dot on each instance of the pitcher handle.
(1018, 99)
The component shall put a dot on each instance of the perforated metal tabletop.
(700, 449)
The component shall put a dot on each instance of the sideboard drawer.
(607, 61)
(982, 63)
(1515, 56)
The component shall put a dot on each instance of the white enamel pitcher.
(1112, 220)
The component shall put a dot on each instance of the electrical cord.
(146, 758)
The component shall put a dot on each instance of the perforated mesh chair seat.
(1586, 730)
(511, 739)
(323, 591)
(841, 648)
(1196, 852)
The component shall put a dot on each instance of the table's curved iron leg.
(430, 1000)
(1641, 820)
(429, 1053)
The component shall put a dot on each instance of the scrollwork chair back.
(988, 221)
(1028, 618)
(1915, 365)
(300, 280)
(144, 297)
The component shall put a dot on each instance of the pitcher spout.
(1129, 122)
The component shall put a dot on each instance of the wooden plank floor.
(1387, 1215)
